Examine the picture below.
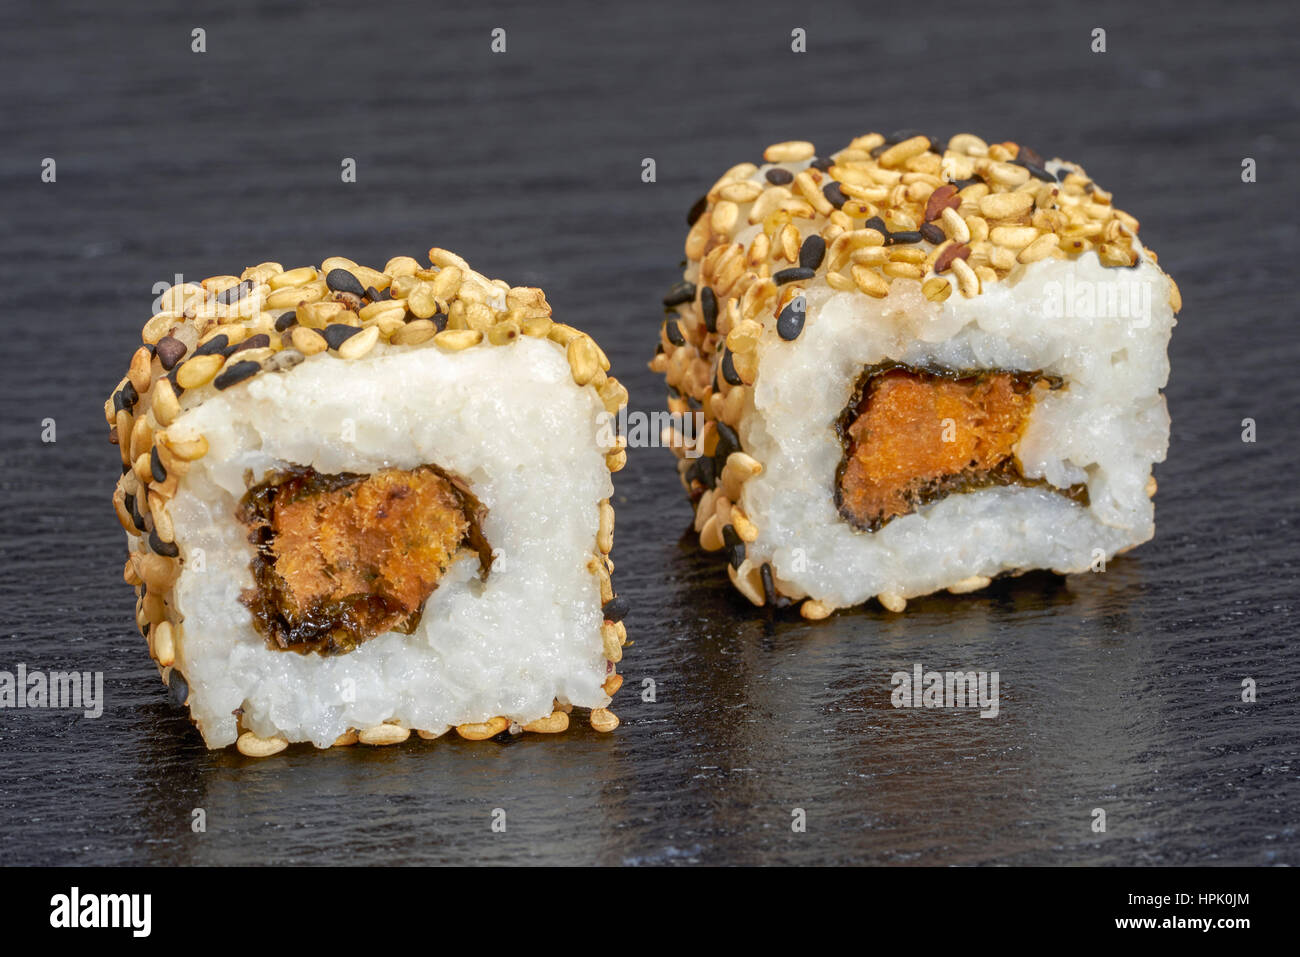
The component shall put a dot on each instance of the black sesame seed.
(728, 442)
(286, 320)
(693, 403)
(178, 690)
(963, 183)
(877, 150)
(735, 545)
(236, 373)
(834, 195)
(793, 274)
(170, 351)
(729, 368)
(259, 341)
(136, 518)
(235, 292)
(439, 320)
(156, 466)
(790, 323)
(1039, 172)
(769, 586)
(702, 471)
(697, 210)
(214, 345)
(931, 233)
(129, 397)
(615, 609)
(680, 292)
(340, 280)
(1027, 156)
(673, 329)
(338, 333)
(162, 548)
(779, 176)
(374, 295)
(709, 308)
(822, 163)
(878, 224)
(899, 135)
(118, 403)
(903, 238)
(812, 252)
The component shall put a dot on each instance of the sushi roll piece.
(363, 502)
(920, 366)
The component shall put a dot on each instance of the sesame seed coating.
(954, 217)
(227, 330)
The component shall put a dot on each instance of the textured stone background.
(1119, 691)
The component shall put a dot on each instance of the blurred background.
(1119, 691)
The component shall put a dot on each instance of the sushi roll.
(919, 366)
(362, 502)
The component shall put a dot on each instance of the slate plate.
(1119, 691)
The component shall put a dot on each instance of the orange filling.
(914, 437)
(342, 558)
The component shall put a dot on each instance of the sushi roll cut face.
(361, 503)
(921, 365)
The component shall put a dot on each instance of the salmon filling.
(342, 558)
(913, 437)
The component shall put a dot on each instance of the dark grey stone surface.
(1119, 691)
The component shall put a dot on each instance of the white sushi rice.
(512, 423)
(1105, 428)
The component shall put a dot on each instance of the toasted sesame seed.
(553, 723)
(793, 274)
(812, 252)
(482, 730)
(383, 734)
(779, 176)
(791, 151)
(936, 289)
(237, 372)
(870, 281)
(253, 746)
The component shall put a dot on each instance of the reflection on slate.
(1119, 691)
